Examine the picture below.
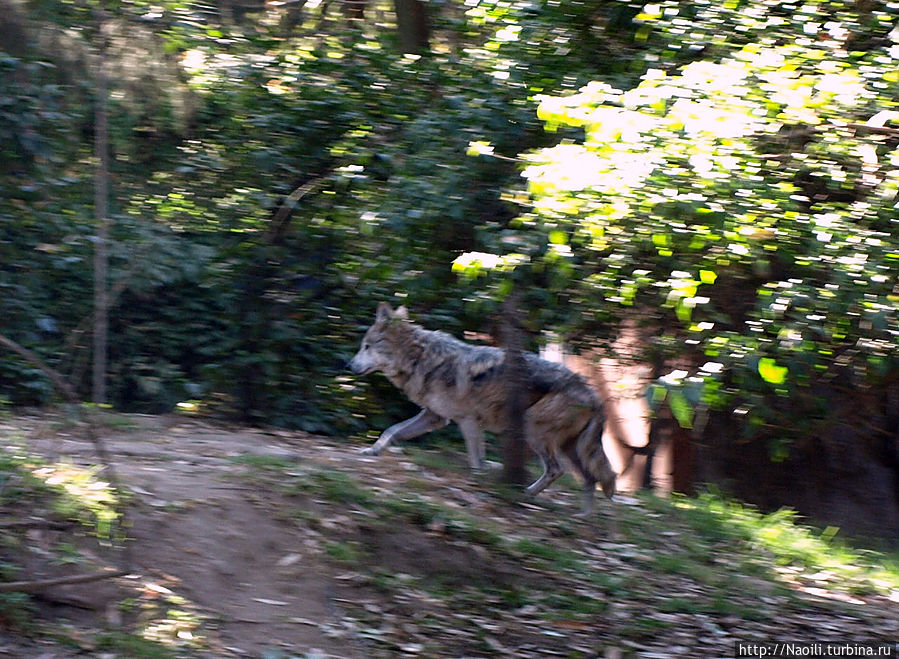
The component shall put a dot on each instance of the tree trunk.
(413, 31)
(354, 10)
(101, 210)
(514, 446)
(292, 16)
(14, 30)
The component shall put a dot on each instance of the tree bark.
(14, 30)
(292, 16)
(354, 10)
(514, 446)
(101, 210)
(413, 30)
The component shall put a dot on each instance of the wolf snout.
(353, 366)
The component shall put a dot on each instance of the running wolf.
(456, 381)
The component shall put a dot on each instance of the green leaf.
(657, 395)
(681, 409)
(557, 237)
(683, 312)
(771, 372)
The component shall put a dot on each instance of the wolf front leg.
(474, 443)
(423, 422)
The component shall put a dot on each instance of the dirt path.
(203, 533)
(282, 545)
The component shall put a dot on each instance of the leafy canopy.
(742, 199)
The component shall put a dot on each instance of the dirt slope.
(275, 545)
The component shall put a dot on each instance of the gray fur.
(456, 381)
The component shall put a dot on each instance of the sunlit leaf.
(681, 409)
(558, 237)
(771, 372)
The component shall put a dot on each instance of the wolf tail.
(591, 458)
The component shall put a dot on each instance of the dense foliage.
(226, 286)
(740, 201)
(726, 174)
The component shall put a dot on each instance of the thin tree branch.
(282, 217)
(869, 128)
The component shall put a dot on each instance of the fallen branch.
(42, 584)
(69, 394)
(34, 524)
(67, 391)
(58, 381)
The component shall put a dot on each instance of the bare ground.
(201, 532)
(246, 543)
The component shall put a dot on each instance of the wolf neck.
(409, 343)
(420, 353)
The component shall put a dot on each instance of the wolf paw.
(369, 450)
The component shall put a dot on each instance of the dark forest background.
(246, 180)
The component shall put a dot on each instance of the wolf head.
(379, 346)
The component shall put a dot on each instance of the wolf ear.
(385, 312)
(402, 313)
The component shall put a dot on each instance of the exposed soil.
(201, 532)
(280, 544)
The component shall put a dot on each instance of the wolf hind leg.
(589, 491)
(586, 455)
(474, 443)
(593, 458)
(540, 429)
(552, 470)
(423, 422)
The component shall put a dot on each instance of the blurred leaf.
(771, 372)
